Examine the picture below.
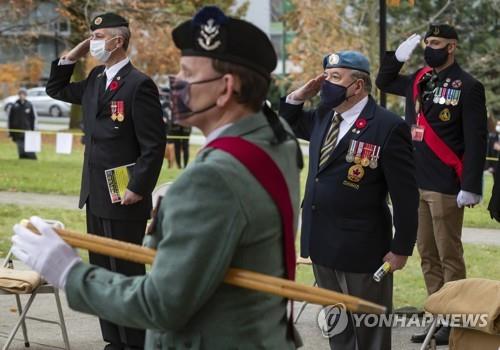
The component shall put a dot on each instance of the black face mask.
(332, 95)
(180, 96)
(435, 57)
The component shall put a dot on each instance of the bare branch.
(433, 18)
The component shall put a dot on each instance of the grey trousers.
(363, 286)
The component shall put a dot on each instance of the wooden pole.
(236, 277)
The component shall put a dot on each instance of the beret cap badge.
(108, 20)
(333, 59)
(208, 35)
(442, 31)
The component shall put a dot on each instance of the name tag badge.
(417, 132)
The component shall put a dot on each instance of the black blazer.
(465, 132)
(139, 138)
(349, 228)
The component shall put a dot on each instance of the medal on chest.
(356, 173)
(117, 111)
(363, 155)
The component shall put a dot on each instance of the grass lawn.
(56, 173)
(52, 173)
(12, 214)
(409, 287)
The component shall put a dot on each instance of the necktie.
(330, 140)
(102, 85)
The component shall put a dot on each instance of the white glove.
(465, 198)
(46, 253)
(406, 48)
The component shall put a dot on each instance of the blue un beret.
(347, 59)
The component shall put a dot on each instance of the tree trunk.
(76, 110)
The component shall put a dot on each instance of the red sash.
(263, 168)
(433, 141)
(267, 173)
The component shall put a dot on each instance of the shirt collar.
(115, 68)
(444, 73)
(216, 133)
(352, 114)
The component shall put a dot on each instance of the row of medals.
(363, 153)
(116, 111)
(117, 116)
(446, 96)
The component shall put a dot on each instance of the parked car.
(43, 103)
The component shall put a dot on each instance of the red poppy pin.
(113, 85)
(360, 123)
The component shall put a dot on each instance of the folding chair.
(160, 191)
(429, 342)
(44, 288)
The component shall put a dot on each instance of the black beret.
(108, 20)
(442, 31)
(211, 33)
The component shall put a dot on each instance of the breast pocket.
(106, 128)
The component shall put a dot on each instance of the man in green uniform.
(216, 215)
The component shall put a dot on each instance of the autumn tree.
(151, 22)
(319, 28)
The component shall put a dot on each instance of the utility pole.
(382, 41)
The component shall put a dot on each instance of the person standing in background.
(182, 147)
(445, 107)
(22, 116)
(123, 125)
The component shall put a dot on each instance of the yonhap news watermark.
(334, 319)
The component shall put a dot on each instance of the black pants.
(181, 145)
(21, 152)
(131, 231)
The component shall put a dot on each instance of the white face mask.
(98, 49)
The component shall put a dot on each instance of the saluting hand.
(130, 198)
(308, 90)
(78, 51)
(405, 49)
(397, 261)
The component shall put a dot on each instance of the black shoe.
(442, 336)
(113, 347)
(420, 336)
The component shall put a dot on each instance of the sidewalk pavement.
(469, 235)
